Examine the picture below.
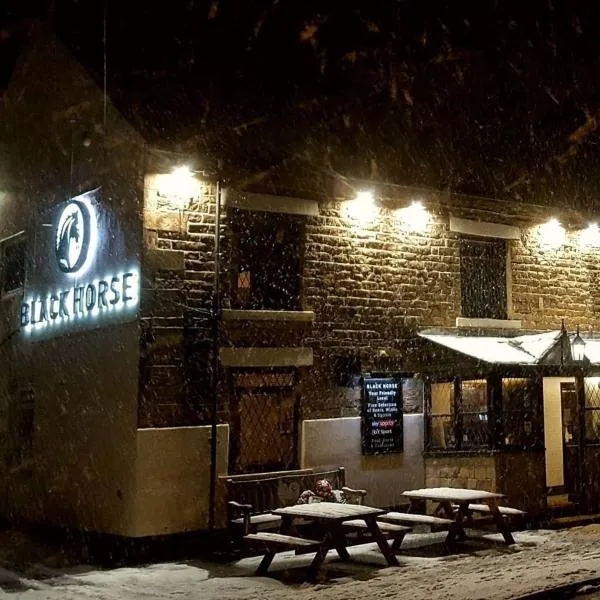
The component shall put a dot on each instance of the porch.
(514, 412)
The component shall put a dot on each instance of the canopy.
(524, 349)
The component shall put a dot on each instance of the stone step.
(573, 521)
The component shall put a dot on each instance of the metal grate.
(483, 277)
(264, 436)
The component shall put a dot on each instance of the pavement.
(543, 564)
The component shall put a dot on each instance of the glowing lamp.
(362, 210)
(590, 237)
(552, 234)
(578, 347)
(414, 217)
(180, 187)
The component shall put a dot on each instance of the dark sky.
(489, 97)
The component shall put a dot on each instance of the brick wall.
(370, 286)
(178, 279)
(474, 472)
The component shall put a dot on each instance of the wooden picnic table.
(453, 503)
(330, 517)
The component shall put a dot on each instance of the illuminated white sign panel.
(81, 242)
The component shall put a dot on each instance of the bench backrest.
(268, 493)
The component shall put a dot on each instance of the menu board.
(381, 423)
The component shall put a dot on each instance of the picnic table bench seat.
(389, 531)
(272, 543)
(507, 511)
(438, 523)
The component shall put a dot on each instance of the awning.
(525, 349)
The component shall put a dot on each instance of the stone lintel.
(307, 316)
(266, 357)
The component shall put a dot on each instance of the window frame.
(245, 228)
(16, 239)
(495, 421)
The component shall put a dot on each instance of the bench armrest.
(236, 509)
(354, 496)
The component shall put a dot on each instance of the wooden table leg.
(317, 561)
(265, 563)
(387, 552)
(501, 522)
(338, 538)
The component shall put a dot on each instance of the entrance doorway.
(264, 421)
(571, 436)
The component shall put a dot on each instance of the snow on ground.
(485, 570)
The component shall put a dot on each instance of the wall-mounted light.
(414, 217)
(179, 188)
(552, 234)
(590, 237)
(362, 210)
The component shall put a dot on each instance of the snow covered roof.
(527, 349)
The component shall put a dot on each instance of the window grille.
(592, 409)
(483, 277)
(267, 252)
(264, 420)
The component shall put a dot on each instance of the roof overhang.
(524, 349)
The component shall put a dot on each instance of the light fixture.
(590, 237)
(362, 210)
(578, 347)
(180, 187)
(552, 234)
(414, 217)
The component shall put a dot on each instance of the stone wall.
(370, 285)
(178, 282)
(462, 471)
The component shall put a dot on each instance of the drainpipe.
(215, 359)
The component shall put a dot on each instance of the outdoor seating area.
(323, 521)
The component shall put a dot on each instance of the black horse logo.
(72, 237)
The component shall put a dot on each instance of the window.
(521, 419)
(495, 413)
(468, 427)
(483, 278)
(592, 409)
(267, 250)
(12, 264)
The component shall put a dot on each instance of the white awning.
(525, 349)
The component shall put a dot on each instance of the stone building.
(120, 323)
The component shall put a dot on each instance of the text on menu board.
(382, 426)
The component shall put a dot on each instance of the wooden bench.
(272, 543)
(506, 511)
(436, 523)
(389, 530)
(251, 498)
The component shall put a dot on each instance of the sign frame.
(383, 391)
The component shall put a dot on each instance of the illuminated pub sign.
(83, 275)
(382, 430)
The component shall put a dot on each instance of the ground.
(32, 570)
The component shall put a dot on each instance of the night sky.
(494, 98)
